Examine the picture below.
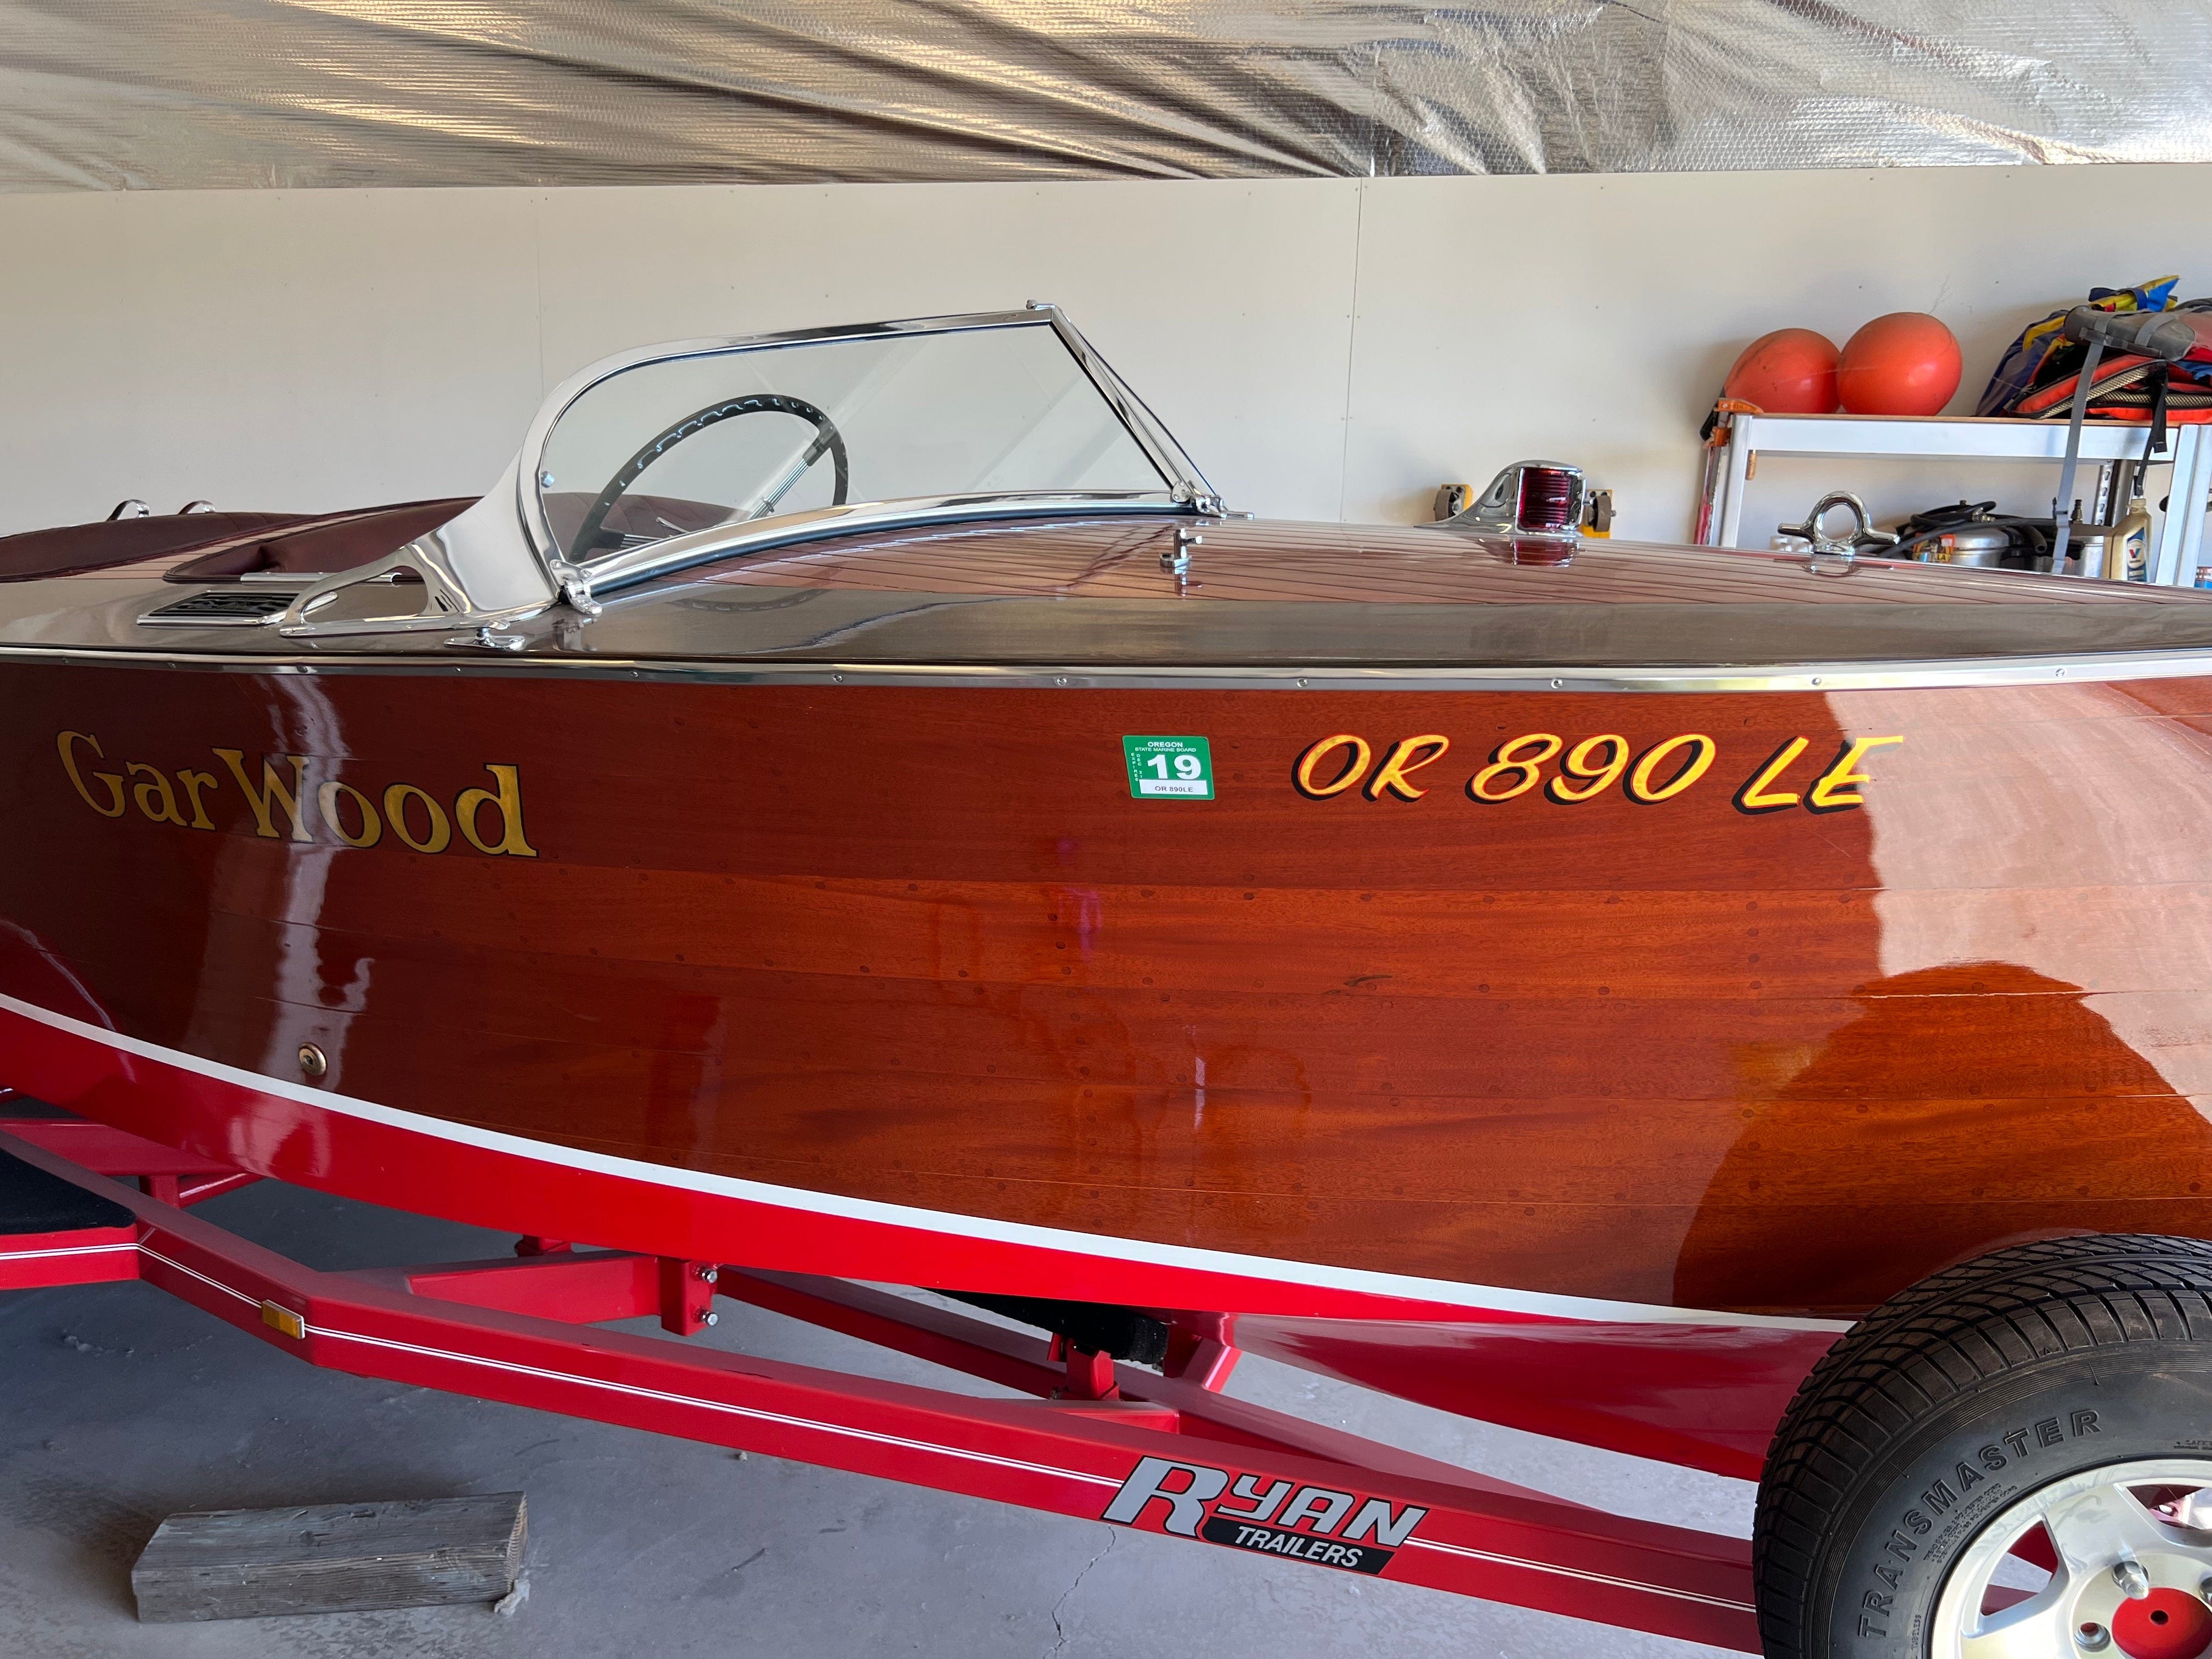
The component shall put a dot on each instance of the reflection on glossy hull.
(1541, 994)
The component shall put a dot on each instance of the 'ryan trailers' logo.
(1313, 1523)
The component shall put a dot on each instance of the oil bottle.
(2127, 554)
(2116, 548)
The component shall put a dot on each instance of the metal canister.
(1981, 544)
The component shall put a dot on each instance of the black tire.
(1950, 1403)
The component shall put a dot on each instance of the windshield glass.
(688, 443)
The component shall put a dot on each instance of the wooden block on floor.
(332, 1557)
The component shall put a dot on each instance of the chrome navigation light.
(1530, 498)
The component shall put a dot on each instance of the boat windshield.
(723, 435)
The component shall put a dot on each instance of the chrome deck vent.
(224, 607)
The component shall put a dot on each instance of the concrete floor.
(119, 1405)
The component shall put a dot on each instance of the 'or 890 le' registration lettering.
(1571, 771)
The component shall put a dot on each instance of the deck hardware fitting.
(486, 638)
(1175, 560)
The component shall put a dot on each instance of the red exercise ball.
(1791, 371)
(1905, 364)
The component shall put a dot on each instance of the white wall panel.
(1590, 318)
(281, 348)
(295, 349)
(1227, 306)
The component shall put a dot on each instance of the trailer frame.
(1165, 1451)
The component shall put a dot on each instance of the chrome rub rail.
(1958, 673)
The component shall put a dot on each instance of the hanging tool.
(1715, 436)
(2163, 336)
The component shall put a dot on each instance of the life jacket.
(2026, 364)
(2125, 386)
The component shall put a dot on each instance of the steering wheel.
(827, 439)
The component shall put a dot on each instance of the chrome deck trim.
(1812, 677)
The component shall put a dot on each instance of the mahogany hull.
(904, 983)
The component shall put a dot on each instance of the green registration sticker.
(1178, 768)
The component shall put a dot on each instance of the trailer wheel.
(2013, 1460)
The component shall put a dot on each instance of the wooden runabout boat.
(855, 802)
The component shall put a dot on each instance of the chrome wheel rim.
(2125, 1557)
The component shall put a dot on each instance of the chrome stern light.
(1528, 498)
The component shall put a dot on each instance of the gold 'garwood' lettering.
(66, 743)
(507, 801)
(294, 808)
(272, 793)
(193, 783)
(155, 796)
(436, 836)
(326, 802)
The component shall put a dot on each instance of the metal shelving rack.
(1870, 437)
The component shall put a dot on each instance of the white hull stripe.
(664, 1397)
(1476, 1298)
(67, 1250)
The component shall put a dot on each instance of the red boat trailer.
(1169, 1454)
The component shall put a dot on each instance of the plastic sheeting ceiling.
(122, 93)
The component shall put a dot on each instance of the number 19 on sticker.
(1174, 768)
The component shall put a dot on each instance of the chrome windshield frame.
(1183, 487)
(1185, 482)
(639, 564)
(499, 563)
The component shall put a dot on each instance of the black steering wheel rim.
(826, 438)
